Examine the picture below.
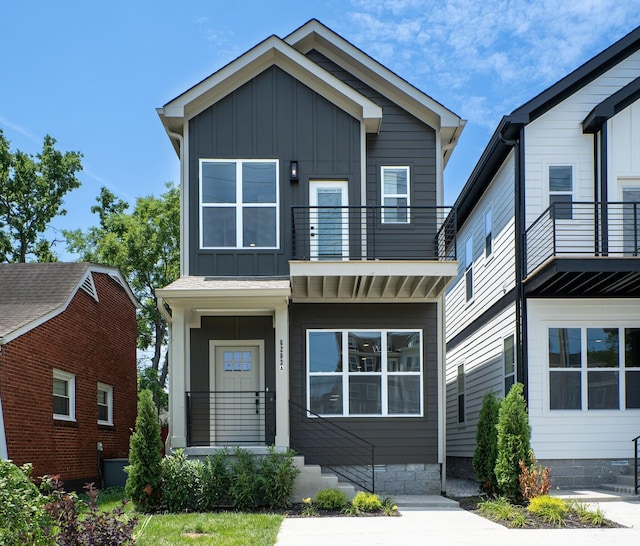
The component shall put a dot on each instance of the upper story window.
(561, 191)
(64, 396)
(468, 268)
(488, 237)
(395, 193)
(105, 404)
(239, 203)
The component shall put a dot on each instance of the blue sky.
(92, 73)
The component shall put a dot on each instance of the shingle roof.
(30, 291)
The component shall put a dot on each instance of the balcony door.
(237, 404)
(328, 221)
(631, 220)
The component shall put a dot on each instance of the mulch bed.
(571, 521)
(297, 511)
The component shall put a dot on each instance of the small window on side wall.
(561, 192)
(395, 195)
(461, 391)
(64, 396)
(468, 268)
(488, 235)
(509, 356)
(105, 404)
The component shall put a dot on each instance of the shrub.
(245, 486)
(502, 509)
(550, 509)
(215, 480)
(181, 487)
(513, 443)
(331, 499)
(277, 478)
(366, 502)
(586, 515)
(23, 518)
(145, 456)
(534, 479)
(484, 457)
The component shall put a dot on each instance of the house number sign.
(281, 355)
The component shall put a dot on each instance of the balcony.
(371, 253)
(584, 249)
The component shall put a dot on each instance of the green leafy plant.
(586, 515)
(513, 443)
(308, 509)
(23, 517)
(366, 502)
(550, 509)
(502, 509)
(181, 487)
(245, 486)
(534, 479)
(216, 480)
(277, 478)
(389, 506)
(145, 457)
(331, 499)
(486, 452)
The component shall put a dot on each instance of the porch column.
(282, 376)
(177, 364)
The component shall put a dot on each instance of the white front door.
(237, 408)
(328, 222)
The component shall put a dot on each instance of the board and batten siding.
(623, 156)
(556, 138)
(273, 116)
(493, 276)
(576, 434)
(397, 440)
(482, 356)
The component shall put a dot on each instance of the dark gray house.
(309, 312)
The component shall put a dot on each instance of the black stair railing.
(636, 456)
(331, 446)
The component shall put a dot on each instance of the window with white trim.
(509, 358)
(594, 368)
(105, 404)
(395, 195)
(488, 237)
(364, 373)
(461, 390)
(468, 268)
(239, 203)
(561, 191)
(64, 396)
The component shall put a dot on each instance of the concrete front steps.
(312, 479)
(622, 484)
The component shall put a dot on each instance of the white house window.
(395, 195)
(561, 191)
(509, 356)
(364, 372)
(64, 396)
(239, 203)
(468, 268)
(591, 368)
(461, 389)
(488, 237)
(105, 404)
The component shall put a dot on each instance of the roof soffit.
(270, 52)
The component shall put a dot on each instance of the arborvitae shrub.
(514, 436)
(485, 455)
(145, 457)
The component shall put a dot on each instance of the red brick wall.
(96, 341)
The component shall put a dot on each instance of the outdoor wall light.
(293, 171)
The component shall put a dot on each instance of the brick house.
(67, 367)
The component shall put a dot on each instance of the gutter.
(163, 310)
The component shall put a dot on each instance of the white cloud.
(4, 122)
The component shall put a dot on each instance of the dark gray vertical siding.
(398, 440)
(271, 117)
(227, 329)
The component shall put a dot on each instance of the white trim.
(239, 205)
(406, 195)
(547, 192)
(70, 379)
(90, 287)
(109, 390)
(343, 186)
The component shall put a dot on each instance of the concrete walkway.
(443, 523)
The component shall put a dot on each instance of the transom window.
(594, 368)
(561, 191)
(395, 193)
(239, 203)
(105, 404)
(64, 395)
(364, 372)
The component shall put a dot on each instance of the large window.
(395, 195)
(64, 396)
(509, 357)
(364, 372)
(239, 203)
(594, 368)
(561, 191)
(461, 389)
(105, 404)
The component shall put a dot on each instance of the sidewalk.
(453, 526)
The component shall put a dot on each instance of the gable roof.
(611, 106)
(500, 143)
(32, 293)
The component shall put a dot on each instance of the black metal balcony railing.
(373, 233)
(230, 418)
(583, 229)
